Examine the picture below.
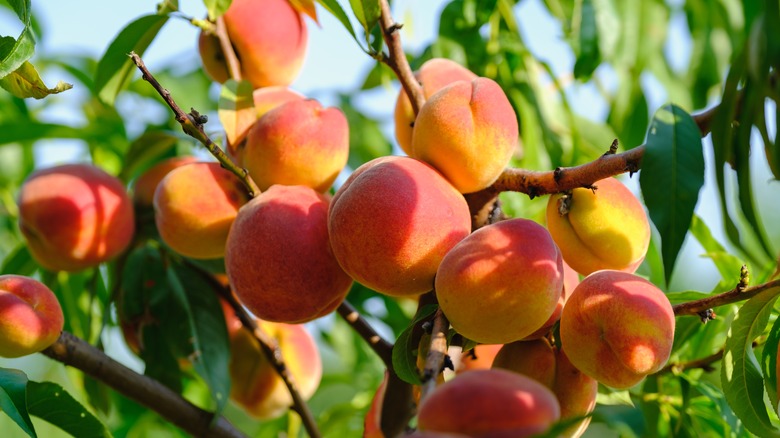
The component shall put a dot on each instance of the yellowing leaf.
(236, 109)
(25, 82)
(306, 7)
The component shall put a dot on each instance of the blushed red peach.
(570, 280)
(30, 316)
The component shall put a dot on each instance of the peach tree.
(252, 261)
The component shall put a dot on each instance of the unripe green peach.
(279, 259)
(617, 328)
(75, 216)
(195, 205)
(297, 143)
(605, 229)
(468, 131)
(269, 37)
(146, 184)
(501, 283)
(257, 386)
(30, 316)
(489, 404)
(392, 222)
(434, 75)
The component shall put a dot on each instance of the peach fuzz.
(75, 216)
(501, 283)
(146, 184)
(489, 404)
(570, 280)
(392, 222)
(468, 131)
(257, 386)
(30, 316)
(279, 259)
(195, 205)
(297, 143)
(269, 37)
(433, 75)
(607, 229)
(617, 328)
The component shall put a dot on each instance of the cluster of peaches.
(398, 225)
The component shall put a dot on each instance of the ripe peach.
(502, 282)
(297, 143)
(489, 404)
(392, 222)
(607, 229)
(269, 37)
(434, 75)
(617, 328)
(256, 385)
(468, 131)
(146, 184)
(75, 216)
(195, 205)
(570, 281)
(279, 259)
(479, 358)
(575, 391)
(30, 316)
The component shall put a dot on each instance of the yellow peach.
(30, 316)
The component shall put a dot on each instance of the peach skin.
(501, 283)
(392, 222)
(30, 316)
(75, 216)
(468, 131)
(607, 229)
(146, 184)
(617, 328)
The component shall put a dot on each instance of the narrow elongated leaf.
(728, 264)
(115, 68)
(740, 372)
(49, 401)
(367, 13)
(671, 177)
(28, 130)
(13, 398)
(587, 34)
(15, 51)
(404, 359)
(25, 82)
(216, 8)
(335, 8)
(19, 262)
(236, 109)
(769, 364)
(306, 7)
(147, 148)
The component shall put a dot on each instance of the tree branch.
(231, 60)
(396, 58)
(434, 361)
(739, 293)
(381, 347)
(74, 352)
(192, 125)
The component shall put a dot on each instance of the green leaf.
(672, 175)
(404, 359)
(587, 34)
(15, 51)
(19, 262)
(337, 11)
(740, 372)
(367, 13)
(27, 130)
(236, 109)
(147, 149)
(50, 402)
(115, 67)
(728, 265)
(13, 398)
(25, 82)
(366, 140)
(216, 8)
(628, 114)
(769, 364)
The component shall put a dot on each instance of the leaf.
(27, 130)
(50, 402)
(115, 68)
(740, 373)
(15, 51)
(306, 7)
(19, 262)
(13, 398)
(337, 11)
(236, 109)
(216, 8)
(367, 13)
(25, 82)
(146, 149)
(366, 140)
(404, 360)
(769, 364)
(587, 34)
(671, 176)
(728, 264)
(628, 114)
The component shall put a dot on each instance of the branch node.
(744, 278)
(706, 315)
(557, 174)
(564, 203)
(612, 148)
(394, 27)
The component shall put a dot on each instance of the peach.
(269, 38)
(257, 386)
(502, 282)
(195, 205)
(479, 358)
(279, 259)
(146, 184)
(297, 143)
(468, 131)
(372, 422)
(575, 391)
(489, 404)
(605, 229)
(434, 75)
(30, 316)
(392, 222)
(570, 281)
(617, 328)
(75, 216)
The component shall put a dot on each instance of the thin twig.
(75, 352)
(381, 347)
(231, 60)
(192, 125)
(737, 294)
(434, 361)
(704, 363)
(396, 58)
